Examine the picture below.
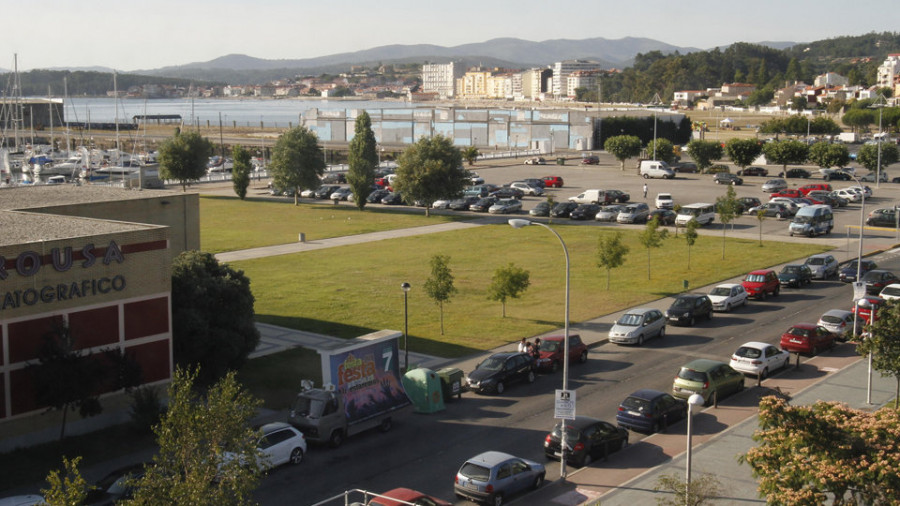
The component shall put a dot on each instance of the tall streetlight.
(519, 223)
(656, 102)
(858, 283)
(879, 104)
(405, 287)
(693, 400)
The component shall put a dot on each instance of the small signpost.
(565, 405)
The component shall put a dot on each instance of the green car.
(707, 377)
(795, 275)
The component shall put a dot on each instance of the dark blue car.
(650, 411)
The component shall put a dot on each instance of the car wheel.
(764, 374)
(654, 428)
(777, 291)
(646, 176)
(640, 341)
(386, 425)
(709, 315)
(497, 500)
(530, 377)
(740, 387)
(296, 456)
(778, 217)
(337, 437)
(815, 350)
(554, 366)
(762, 295)
(583, 357)
(585, 461)
(662, 332)
(538, 481)
(692, 322)
(500, 388)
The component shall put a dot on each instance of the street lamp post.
(405, 287)
(862, 214)
(693, 400)
(880, 106)
(519, 223)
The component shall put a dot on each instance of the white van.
(702, 212)
(812, 220)
(656, 169)
(590, 197)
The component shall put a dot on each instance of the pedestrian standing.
(645, 190)
(523, 345)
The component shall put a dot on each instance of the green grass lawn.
(354, 290)
(229, 224)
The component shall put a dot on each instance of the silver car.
(727, 296)
(636, 325)
(774, 185)
(634, 213)
(609, 213)
(823, 266)
(840, 322)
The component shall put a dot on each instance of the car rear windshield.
(636, 404)
(691, 375)
(631, 320)
(492, 364)
(755, 278)
(721, 290)
(791, 269)
(816, 261)
(681, 302)
(832, 319)
(572, 434)
(475, 472)
(747, 352)
(797, 331)
(891, 291)
(550, 346)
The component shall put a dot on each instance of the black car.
(728, 178)
(688, 307)
(754, 171)
(114, 487)
(617, 196)
(746, 203)
(772, 209)
(463, 203)
(837, 175)
(650, 411)
(483, 204)
(541, 209)
(563, 209)
(325, 191)
(535, 181)
(334, 177)
(506, 192)
(848, 273)
(663, 216)
(882, 218)
(393, 199)
(877, 279)
(377, 195)
(584, 212)
(499, 370)
(796, 173)
(795, 275)
(587, 439)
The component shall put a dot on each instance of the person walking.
(645, 190)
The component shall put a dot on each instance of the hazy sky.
(130, 35)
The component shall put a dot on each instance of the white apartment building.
(534, 83)
(581, 79)
(562, 70)
(831, 79)
(441, 78)
(887, 72)
(499, 86)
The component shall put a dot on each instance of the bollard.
(302, 237)
(715, 398)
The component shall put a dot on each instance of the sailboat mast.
(50, 108)
(16, 105)
(116, 99)
(66, 99)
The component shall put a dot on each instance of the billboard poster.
(368, 378)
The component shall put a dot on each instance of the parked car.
(618, 196)
(279, 443)
(506, 192)
(848, 273)
(563, 209)
(494, 373)
(807, 338)
(552, 352)
(791, 193)
(728, 178)
(325, 191)
(792, 205)
(877, 279)
(552, 181)
(535, 181)
(483, 204)
(638, 325)
(867, 307)
(114, 487)
(761, 283)
(541, 209)
(474, 178)
(663, 216)
(537, 160)
(634, 213)
(795, 275)
(774, 185)
(748, 203)
(664, 201)
(441, 204)
(527, 188)
(341, 194)
(377, 195)
(796, 173)
(775, 210)
(584, 212)
(393, 199)
(823, 266)
(587, 439)
(759, 359)
(404, 496)
(463, 203)
(650, 411)
(890, 292)
(754, 171)
(707, 378)
(809, 188)
(687, 307)
(685, 167)
(870, 177)
(609, 212)
(492, 477)
(728, 296)
(850, 195)
(882, 218)
(840, 323)
(590, 160)
(506, 206)
(717, 168)
(835, 175)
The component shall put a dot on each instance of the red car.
(552, 181)
(761, 283)
(868, 305)
(805, 189)
(788, 192)
(407, 496)
(551, 352)
(807, 338)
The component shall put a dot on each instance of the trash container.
(560, 161)
(451, 382)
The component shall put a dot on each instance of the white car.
(759, 359)
(890, 292)
(441, 204)
(664, 201)
(861, 189)
(870, 177)
(280, 443)
(728, 296)
(308, 194)
(787, 202)
(840, 322)
(850, 195)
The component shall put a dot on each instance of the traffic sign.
(859, 289)
(565, 404)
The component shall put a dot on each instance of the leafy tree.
(825, 154)
(623, 147)
(470, 154)
(826, 451)
(194, 435)
(823, 125)
(868, 156)
(785, 152)
(704, 153)
(550, 203)
(652, 237)
(212, 315)
(761, 96)
(611, 253)
(664, 150)
(799, 103)
(184, 157)
(429, 170)
(66, 486)
(240, 174)
(883, 344)
(743, 151)
(760, 217)
(727, 208)
(439, 286)
(702, 490)
(508, 283)
(858, 119)
(690, 236)
(297, 161)
(362, 158)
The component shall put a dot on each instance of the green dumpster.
(451, 382)
(560, 161)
